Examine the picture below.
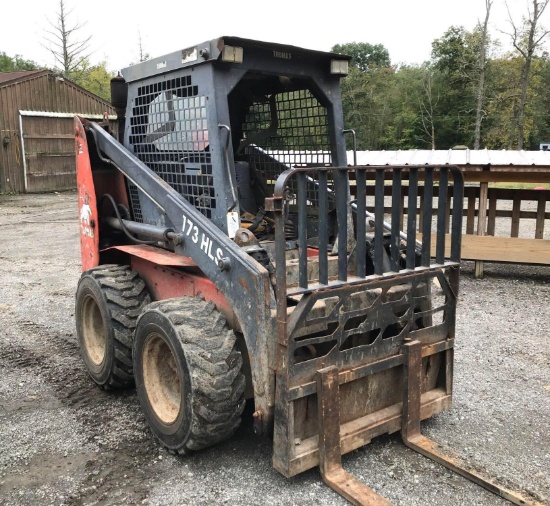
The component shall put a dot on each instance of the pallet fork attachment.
(412, 437)
(330, 457)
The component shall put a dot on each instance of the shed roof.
(21, 75)
(14, 79)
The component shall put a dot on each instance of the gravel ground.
(63, 441)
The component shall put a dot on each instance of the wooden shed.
(37, 108)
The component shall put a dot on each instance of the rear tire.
(109, 300)
(188, 374)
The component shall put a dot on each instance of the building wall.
(43, 92)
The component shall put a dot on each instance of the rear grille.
(169, 134)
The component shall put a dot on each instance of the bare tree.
(427, 109)
(143, 56)
(481, 82)
(526, 39)
(69, 52)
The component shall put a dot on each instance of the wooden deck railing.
(500, 224)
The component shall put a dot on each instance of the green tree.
(446, 101)
(408, 130)
(364, 56)
(455, 59)
(15, 63)
(384, 107)
(526, 39)
(541, 102)
(365, 105)
(96, 79)
(457, 53)
(482, 61)
(503, 101)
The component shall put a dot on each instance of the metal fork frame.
(328, 379)
(330, 455)
(410, 432)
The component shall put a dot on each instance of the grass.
(520, 186)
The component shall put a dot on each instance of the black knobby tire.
(109, 300)
(188, 374)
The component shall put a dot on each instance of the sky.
(405, 27)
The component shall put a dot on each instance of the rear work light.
(339, 67)
(232, 54)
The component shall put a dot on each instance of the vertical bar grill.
(357, 320)
(389, 249)
(370, 307)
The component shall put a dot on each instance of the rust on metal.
(243, 282)
(87, 201)
(258, 417)
(156, 255)
(165, 282)
(330, 455)
(435, 452)
(410, 431)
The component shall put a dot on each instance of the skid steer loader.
(229, 253)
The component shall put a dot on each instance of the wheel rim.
(161, 378)
(93, 331)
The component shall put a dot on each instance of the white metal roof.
(464, 158)
(472, 157)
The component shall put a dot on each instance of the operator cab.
(221, 121)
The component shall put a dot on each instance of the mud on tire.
(188, 374)
(109, 300)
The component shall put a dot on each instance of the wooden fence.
(500, 224)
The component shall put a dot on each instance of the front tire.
(188, 374)
(109, 300)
